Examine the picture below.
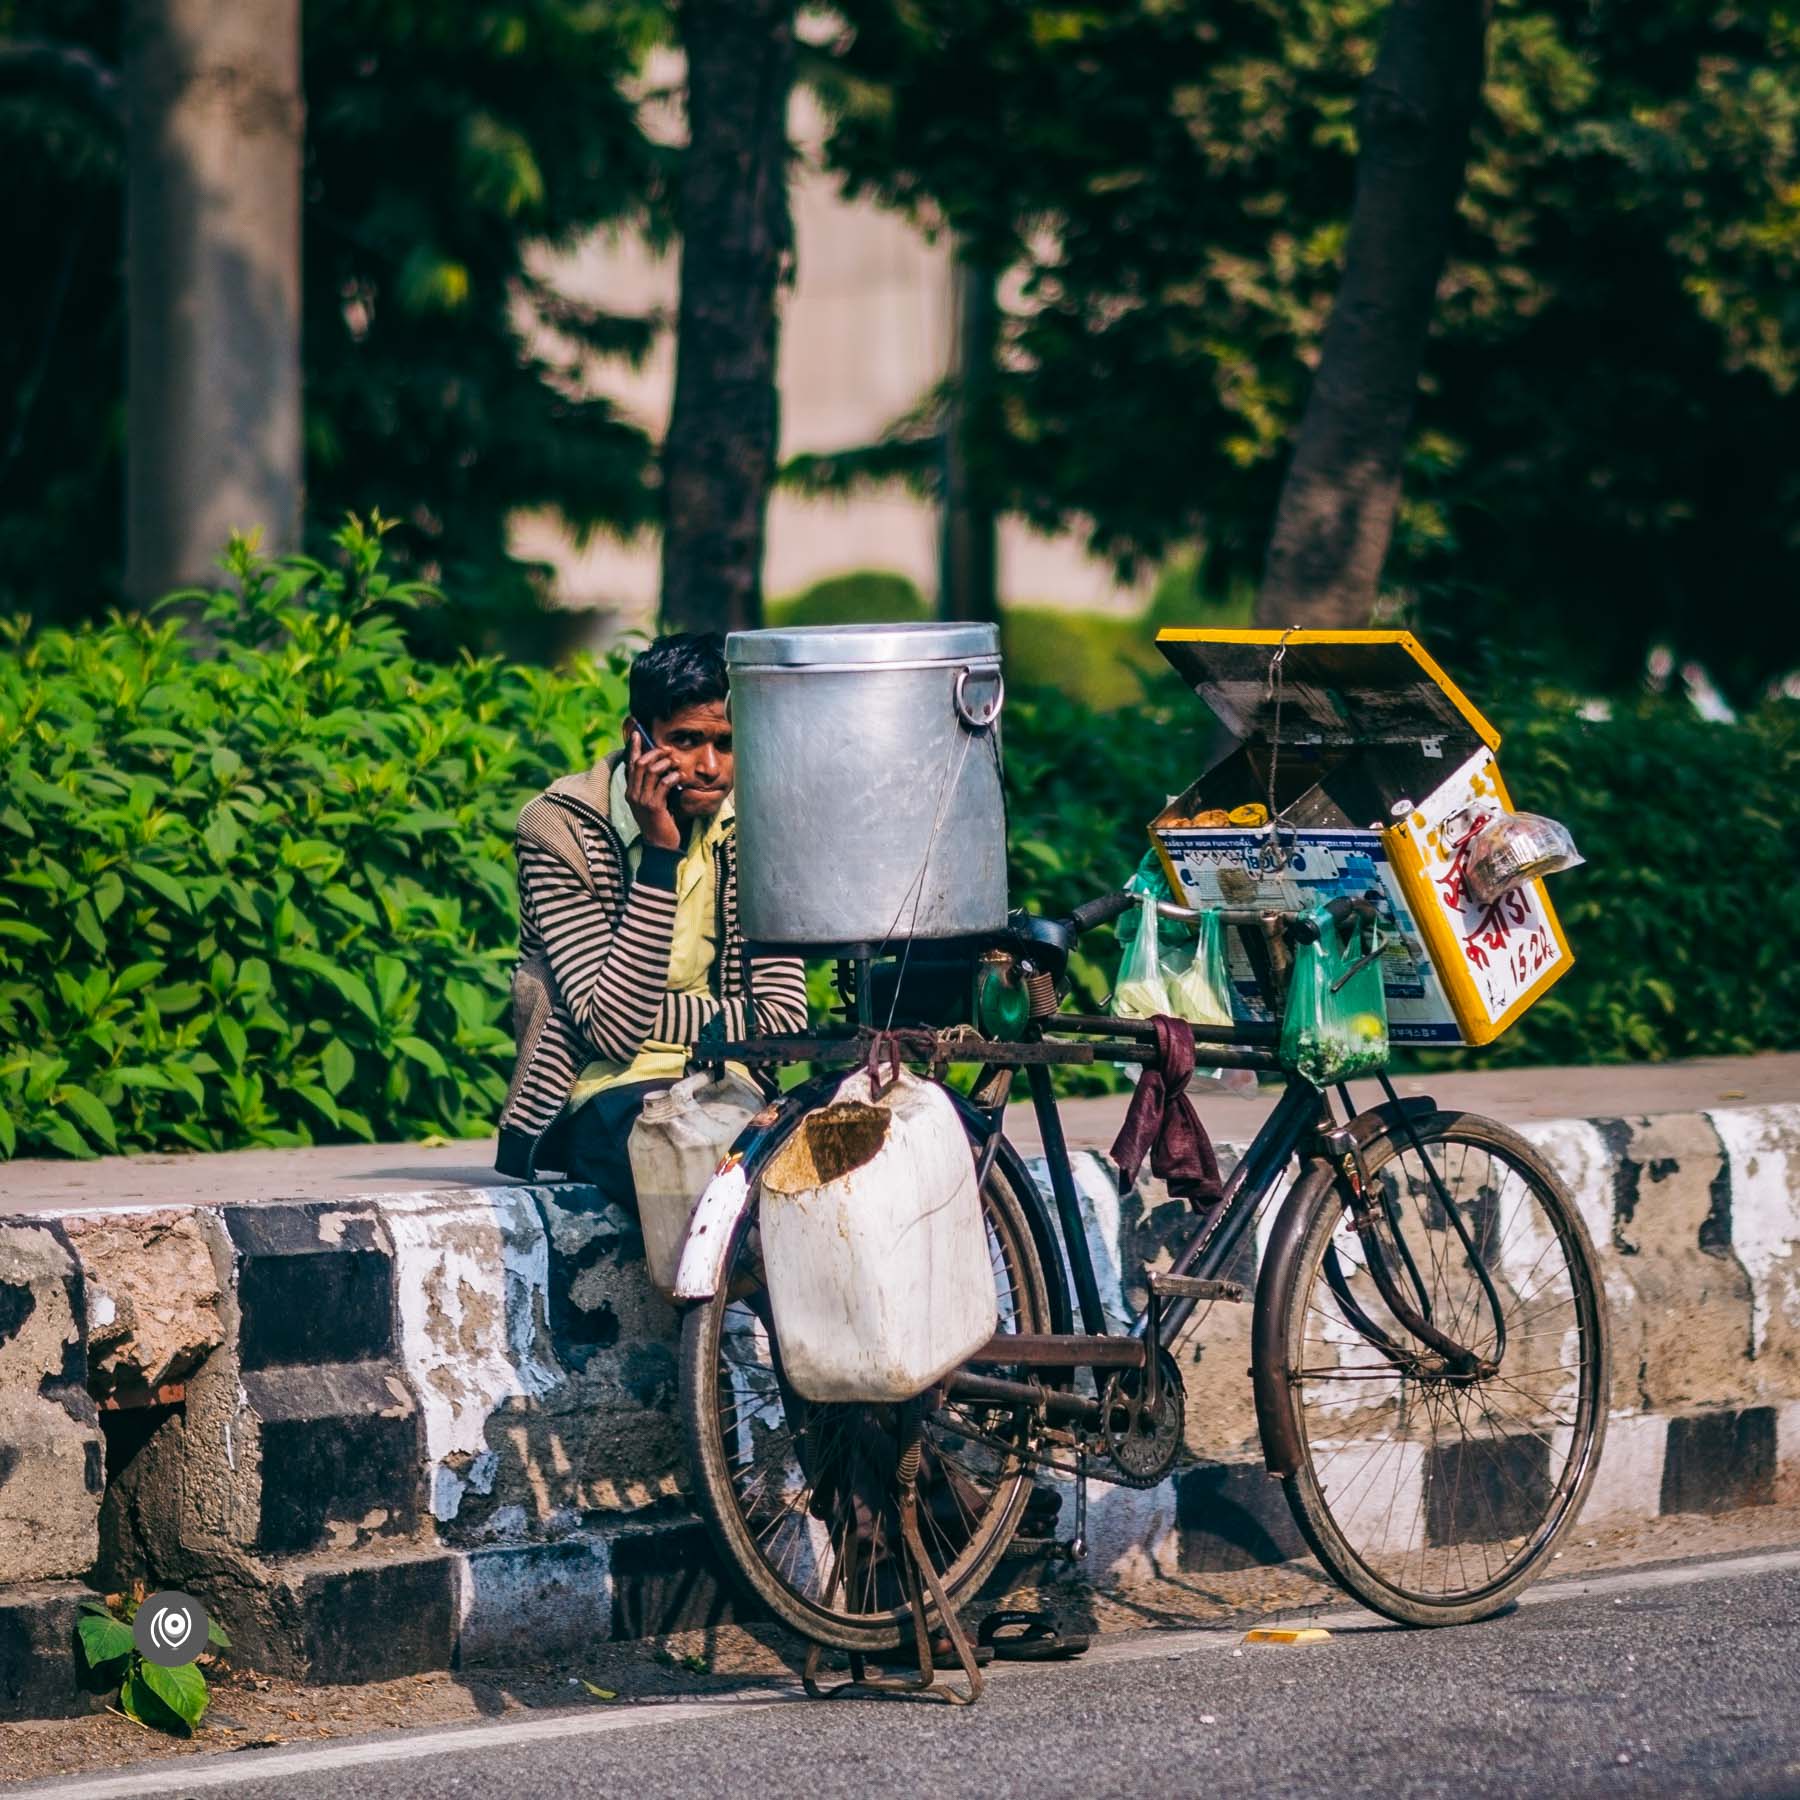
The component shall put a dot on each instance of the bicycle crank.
(1142, 1431)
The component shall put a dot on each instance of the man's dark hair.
(686, 669)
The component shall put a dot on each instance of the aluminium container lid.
(1337, 687)
(872, 646)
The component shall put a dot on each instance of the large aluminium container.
(869, 802)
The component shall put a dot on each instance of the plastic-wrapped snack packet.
(1514, 848)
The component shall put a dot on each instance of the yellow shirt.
(693, 943)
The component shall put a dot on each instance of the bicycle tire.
(1465, 1456)
(720, 1492)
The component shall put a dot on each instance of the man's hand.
(650, 778)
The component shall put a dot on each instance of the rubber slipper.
(1030, 1637)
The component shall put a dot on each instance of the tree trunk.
(968, 559)
(1336, 512)
(736, 250)
(213, 275)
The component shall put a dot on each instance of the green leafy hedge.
(263, 893)
(1685, 922)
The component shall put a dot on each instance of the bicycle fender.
(710, 1232)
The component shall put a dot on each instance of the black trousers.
(597, 1136)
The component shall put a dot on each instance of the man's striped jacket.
(592, 976)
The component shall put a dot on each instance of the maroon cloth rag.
(1162, 1121)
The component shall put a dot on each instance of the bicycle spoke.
(1439, 1485)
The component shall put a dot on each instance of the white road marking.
(1147, 1646)
(194, 1774)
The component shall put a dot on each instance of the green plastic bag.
(1148, 878)
(1335, 1026)
(1199, 988)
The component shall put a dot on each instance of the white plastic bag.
(1198, 986)
(1141, 991)
(874, 1245)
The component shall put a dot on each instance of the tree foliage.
(1604, 435)
(62, 327)
(445, 147)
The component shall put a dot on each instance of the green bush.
(1105, 661)
(264, 894)
(1685, 923)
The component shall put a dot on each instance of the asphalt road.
(1669, 1681)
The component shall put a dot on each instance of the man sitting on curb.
(628, 927)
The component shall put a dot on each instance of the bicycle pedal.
(1194, 1287)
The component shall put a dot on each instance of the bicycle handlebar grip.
(1099, 912)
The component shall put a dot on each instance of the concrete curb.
(409, 1430)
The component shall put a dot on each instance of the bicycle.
(1430, 1362)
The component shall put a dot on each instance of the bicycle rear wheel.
(790, 1488)
(1435, 1497)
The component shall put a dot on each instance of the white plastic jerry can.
(875, 1249)
(674, 1148)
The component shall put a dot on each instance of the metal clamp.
(978, 719)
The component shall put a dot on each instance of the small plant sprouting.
(164, 1699)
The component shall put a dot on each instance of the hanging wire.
(1276, 859)
(914, 893)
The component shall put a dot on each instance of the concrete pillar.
(213, 259)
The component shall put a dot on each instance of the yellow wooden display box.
(1370, 740)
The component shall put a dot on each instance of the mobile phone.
(645, 747)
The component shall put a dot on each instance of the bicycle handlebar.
(1110, 906)
(1342, 910)
(1102, 910)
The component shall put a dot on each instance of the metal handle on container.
(978, 720)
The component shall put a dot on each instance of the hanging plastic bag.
(1335, 1026)
(1148, 878)
(1199, 989)
(1514, 848)
(1141, 992)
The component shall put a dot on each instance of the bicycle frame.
(1301, 1123)
(1208, 1253)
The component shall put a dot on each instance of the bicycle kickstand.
(918, 1576)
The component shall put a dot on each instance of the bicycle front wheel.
(1435, 1495)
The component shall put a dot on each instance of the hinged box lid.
(1340, 688)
